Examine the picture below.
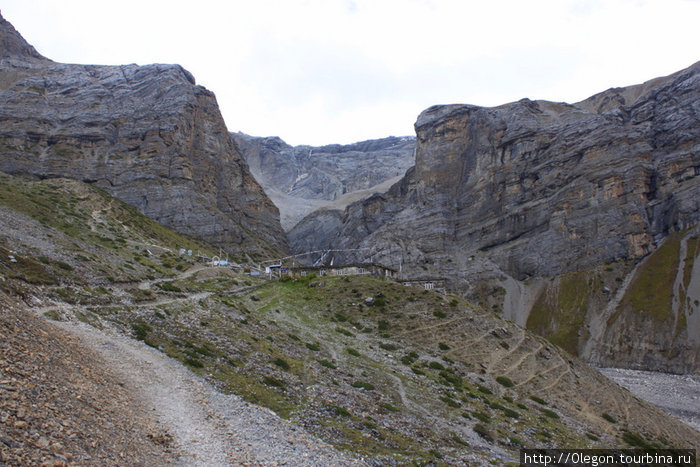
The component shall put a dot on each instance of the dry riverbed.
(678, 395)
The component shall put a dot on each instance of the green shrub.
(270, 381)
(549, 413)
(505, 381)
(484, 389)
(314, 346)
(383, 325)
(481, 416)
(409, 359)
(53, 315)
(439, 314)
(141, 330)
(344, 332)
(454, 380)
(483, 431)
(363, 385)
(608, 417)
(282, 363)
(539, 400)
(327, 364)
(450, 402)
(436, 365)
(64, 266)
(193, 362)
(636, 440)
(443, 346)
(389, 347)
(388, 407)
(516, 441)
(352, 352)
(340, 411)
(169, 287)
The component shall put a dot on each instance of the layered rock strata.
(503, 200)
(147, 134)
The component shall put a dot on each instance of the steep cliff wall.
(502, 199)
(146, 134)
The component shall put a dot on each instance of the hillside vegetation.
(383, 371)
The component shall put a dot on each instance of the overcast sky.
(339, 71)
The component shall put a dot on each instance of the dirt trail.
(209, 428)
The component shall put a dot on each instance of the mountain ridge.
(504, 198)
(147, 134)
(304, 178)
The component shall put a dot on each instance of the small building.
(355, 269)
(428, 283)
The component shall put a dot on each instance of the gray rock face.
(146, 134)
(303, 178)
(537, 189)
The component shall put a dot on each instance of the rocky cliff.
(300, 179)
(146, 134)
(550, 207)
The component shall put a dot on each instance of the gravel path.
(678, 395)
(209, 428)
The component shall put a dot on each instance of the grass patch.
(560, 309)
(141, 330)
(651, 290)
(505, 381)
(363, 385)
(539, 400)
(327, 364)
(549, 413)
(282, 363)
(274, 382)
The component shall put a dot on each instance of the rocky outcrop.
(146, 134)
(504, 198)
(300, 179)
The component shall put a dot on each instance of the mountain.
(147, 134)
(409, 376)
(577, 220)
(300, 179)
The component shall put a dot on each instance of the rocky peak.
(302, 178)
(146, 134)
(13, 48)
(502, 198)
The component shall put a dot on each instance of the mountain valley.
(141, 327)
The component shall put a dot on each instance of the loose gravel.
(678, 395)
(209, 428)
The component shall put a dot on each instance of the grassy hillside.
(645, 309)
(382, 370)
